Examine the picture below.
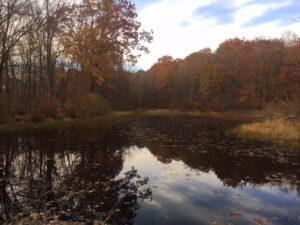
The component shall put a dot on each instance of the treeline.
(59, 59)
(240, 74)
(53, 54)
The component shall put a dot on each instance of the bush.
(282, 110)
(91, 105)
(44, 107)
(96, 105)
(2, 113)
(185, 105)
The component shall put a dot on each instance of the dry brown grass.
(276, 130)
(245, 115)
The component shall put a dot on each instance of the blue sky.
(185, 26)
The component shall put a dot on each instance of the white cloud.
(250, 11)
(238, 3)
(178, 31)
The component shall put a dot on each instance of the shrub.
(185, 105)
(44, 107)
(91, 105)
(2, 113)
(95, 105)
(282, 110)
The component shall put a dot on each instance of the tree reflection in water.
(67, 182)
(78, 175)
(202, 145)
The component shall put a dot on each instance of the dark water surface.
(160, 170)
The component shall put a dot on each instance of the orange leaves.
(289, 80)
(240, 74)
(103, 36)
(162, 70)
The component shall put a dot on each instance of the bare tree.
(15, 21)
(52, 21)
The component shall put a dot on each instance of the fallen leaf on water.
(235, 214)
(274, 218)
(260, 220)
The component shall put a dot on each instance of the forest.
(240, 74)
(88, 136)
(63, 60)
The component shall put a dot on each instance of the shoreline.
(92, 123)
(120, 116)
(255, 126)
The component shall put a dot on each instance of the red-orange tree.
(103, 36)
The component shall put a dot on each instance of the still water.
(160, 170)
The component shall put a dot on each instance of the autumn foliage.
(54, 53)
(240, 74)
(59, 59)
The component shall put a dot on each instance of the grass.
(279, 131)
(244, 116)
(115, 117)
(93, 123)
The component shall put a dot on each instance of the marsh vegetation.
(281, 131)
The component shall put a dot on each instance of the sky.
(184, 26)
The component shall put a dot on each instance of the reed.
(275, 130)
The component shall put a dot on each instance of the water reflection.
(182, 195)
(67, 182)
(154, 171)
(200, 176)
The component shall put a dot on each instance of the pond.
(156, 170)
